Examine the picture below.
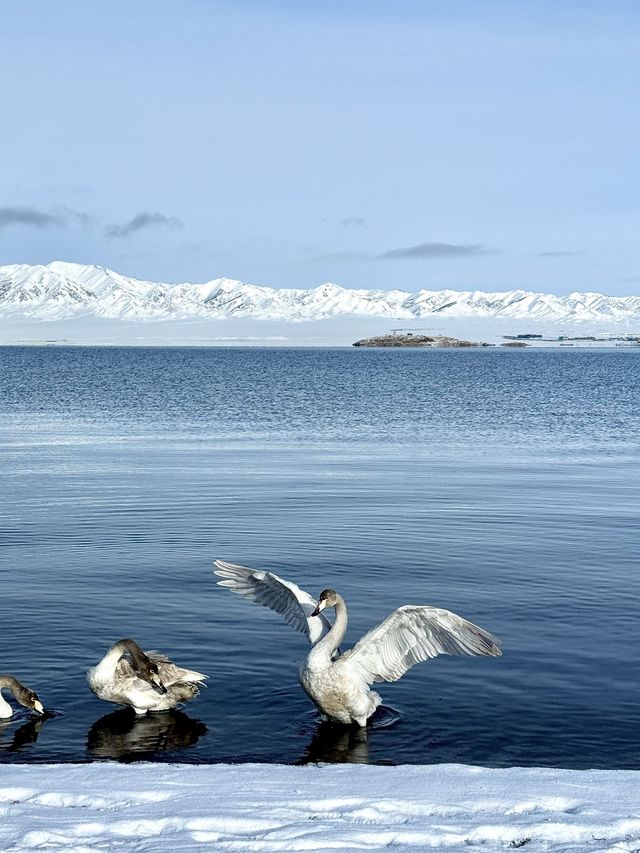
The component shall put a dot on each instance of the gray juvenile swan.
(340, 685)
(20, 693)
(146, 681)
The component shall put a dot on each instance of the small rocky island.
(411, 340)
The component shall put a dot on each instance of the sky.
(401, 144)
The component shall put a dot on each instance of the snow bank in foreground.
(159, 807)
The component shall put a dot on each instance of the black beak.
(317, 611)
(157, 684)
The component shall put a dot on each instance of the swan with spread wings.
(340, 684)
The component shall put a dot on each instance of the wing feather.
(286, 598)
(412, 634)
(171, 673)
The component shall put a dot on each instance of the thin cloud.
(143, 222)
(353, 222)
(344, 256)
(436, 250)
(31, 217)
(83, 219)
(422, 251)
(560, 253)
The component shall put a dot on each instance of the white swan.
(27, 698)
(341, 686)
(146, 681)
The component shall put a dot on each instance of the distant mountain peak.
(63, 289)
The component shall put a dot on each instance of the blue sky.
(402, 144)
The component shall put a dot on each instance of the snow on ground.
(159, 807)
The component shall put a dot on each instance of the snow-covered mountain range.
(64, 290)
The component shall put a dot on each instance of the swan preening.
(340, 684)
(146, 681)
(26, 697)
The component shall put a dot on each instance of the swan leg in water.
(340, 684)
(341, 688)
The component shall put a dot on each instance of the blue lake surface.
(501, 485)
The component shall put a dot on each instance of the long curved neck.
(331, 641)
(137, 655)
(107, 666)
(8, 682)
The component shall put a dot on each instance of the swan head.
(148, 669)
(29, 699)
(327, 598)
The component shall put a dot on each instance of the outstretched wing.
(286, 598)
(412, 634)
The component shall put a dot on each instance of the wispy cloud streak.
(560, 253)
(423, 251)
(31, 217)
(143, 221)
(436, 250)
(345, 256)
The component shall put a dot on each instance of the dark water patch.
(502, 486)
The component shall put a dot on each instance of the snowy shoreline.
(261, 807)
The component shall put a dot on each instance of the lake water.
(502, 485)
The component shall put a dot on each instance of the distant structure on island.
(523, 340)
(528, 336)
(403, 338)
(417, 341)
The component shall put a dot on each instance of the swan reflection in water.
(338, 744)
(23, 735)
(124, 736)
